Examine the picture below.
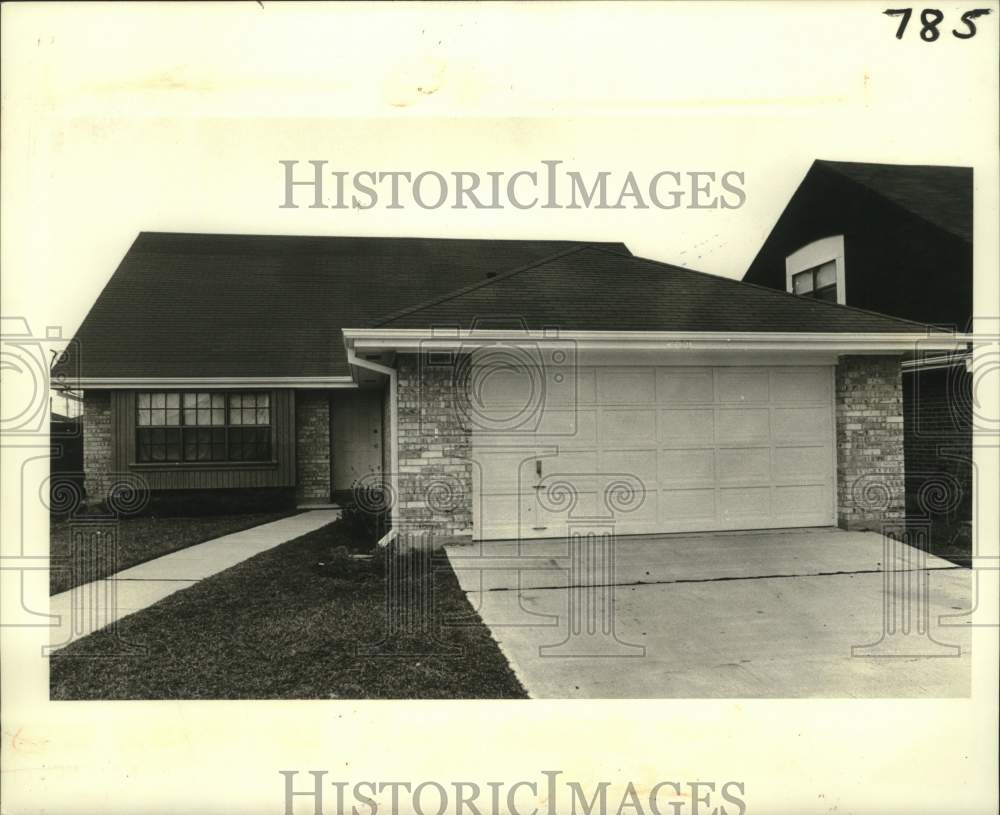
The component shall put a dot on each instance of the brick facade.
(869, 419)
(97, 452)
(435, 470)
(312, 447)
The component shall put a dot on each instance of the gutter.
(414, 339)
(119, 382)
(937, 363)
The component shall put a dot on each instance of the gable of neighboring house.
(895, 239)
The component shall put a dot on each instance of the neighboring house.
(498, 389)
(898, 240)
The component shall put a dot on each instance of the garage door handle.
(538, 466)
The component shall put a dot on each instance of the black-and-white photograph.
(427, 370)
(506, 464)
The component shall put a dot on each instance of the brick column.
(96, 445)
(312, 446)
(435, 471)
(869, 417)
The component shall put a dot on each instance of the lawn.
(282, 626)
(141, 539)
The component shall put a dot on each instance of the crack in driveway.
(713, 579)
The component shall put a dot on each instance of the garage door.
(653, 449)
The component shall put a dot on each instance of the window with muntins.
(819, 282)
(200, 426)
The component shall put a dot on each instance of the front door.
(357, 436)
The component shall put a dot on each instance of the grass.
(282, 626)
(141, 539)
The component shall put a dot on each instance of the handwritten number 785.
(931, 18)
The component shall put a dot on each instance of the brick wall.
(97, 452)
(937, 409)
(312, 446)
(869, 417)
(435, 473)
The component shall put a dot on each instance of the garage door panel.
(642, 514)
(568, 461)
(690, 426)
(742, 385)
(744, 464)
(688, 505)
(642, 464)
(626, 386)
(496, 385)
(691, 466)
(557, 485)
(506, 471)
(807, 422)
(567, 426)
(743, 425)
(801, 385)
(801, 463)
(744, 504)
(684, 385)
(502, 515)
(811, 500)
(627, 426)
(558, 508)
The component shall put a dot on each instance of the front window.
(176, 426)
(819, 282)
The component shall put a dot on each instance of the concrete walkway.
(773, 614)
(92, 606)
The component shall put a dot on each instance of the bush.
(364, 528)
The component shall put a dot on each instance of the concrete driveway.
(779, 614)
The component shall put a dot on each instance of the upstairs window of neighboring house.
(819, 282)
(173, 426)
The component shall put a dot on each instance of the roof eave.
(220, 382)
(417, 339)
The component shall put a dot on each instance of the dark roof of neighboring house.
(907, 237)
(589, 288)
(942, 196)
(193, 305)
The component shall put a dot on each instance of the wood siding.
(209, 475)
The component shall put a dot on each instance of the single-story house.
(497, 389)
(895, 239)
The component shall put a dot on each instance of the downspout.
(354, 359)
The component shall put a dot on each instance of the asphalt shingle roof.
(591, 289)
(193, 305)
(942, 196)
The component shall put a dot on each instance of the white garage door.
(654, 449)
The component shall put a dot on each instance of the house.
(494, 389)
(898, 240)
